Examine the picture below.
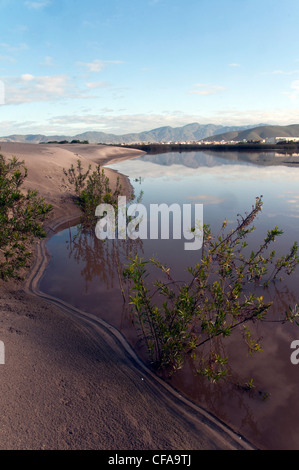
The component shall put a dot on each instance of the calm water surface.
(86, 273)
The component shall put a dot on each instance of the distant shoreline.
(287, 148)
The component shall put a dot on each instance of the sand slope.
(68, 383)
(45, 164)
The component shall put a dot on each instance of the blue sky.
(68, 66)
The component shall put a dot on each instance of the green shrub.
(91, 189)
(179, 320)
(21, 217)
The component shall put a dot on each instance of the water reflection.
(86, 272)
(216, 158)
(97, 259)
(232, 402)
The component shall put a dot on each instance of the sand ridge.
(45, 164)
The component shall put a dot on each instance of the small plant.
(250, 385)
(178, 320)
(21, 217)
(266, 396)
(91, 189)
(77, 177)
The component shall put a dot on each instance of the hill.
(259, 133)
(190, 132)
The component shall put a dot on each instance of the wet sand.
(70, 381)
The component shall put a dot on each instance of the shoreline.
(199, 429)
(229, 437)
(287, 148)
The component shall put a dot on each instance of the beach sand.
(69, 381)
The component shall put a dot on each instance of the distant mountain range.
(190, 132)
(259, 133)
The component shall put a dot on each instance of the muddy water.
(87, 273)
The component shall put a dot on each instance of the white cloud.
(127, 123)
(234, 64)
(29, 88)
(114, 62)
(112, 122)
(97, 65)
(2, 93)
(94, 85)
(53, 84)
(117, 121)
(10, 48)
(284, 72)
(294, 93)
(7, 126)
(27, 77)
(38, 5)
(206, 89)
(47, 62)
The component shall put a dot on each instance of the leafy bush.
(179, 319)
(91, 189)
(21, 217)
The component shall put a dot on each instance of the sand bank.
(69, 380)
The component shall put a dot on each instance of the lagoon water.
(87, 273)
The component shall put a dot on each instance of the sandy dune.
(45, 164)
(69, 381)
